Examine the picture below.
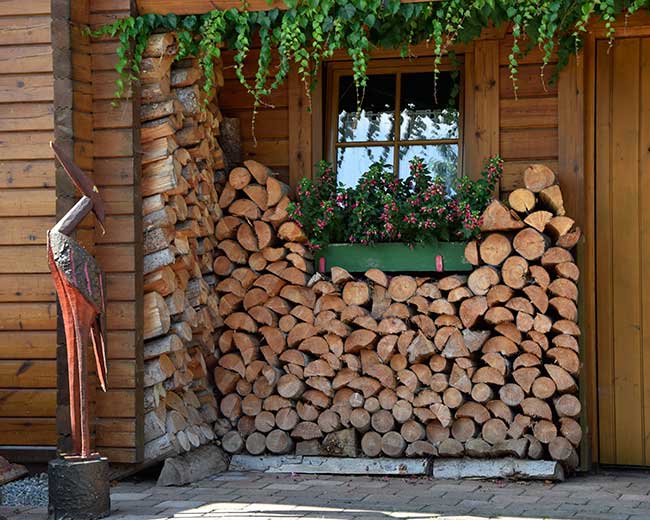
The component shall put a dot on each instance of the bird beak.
(82, 182)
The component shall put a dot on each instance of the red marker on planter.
(439, 263)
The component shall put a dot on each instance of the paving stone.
(248, 496)
(117, 497)
(181, 504)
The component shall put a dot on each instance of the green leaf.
(190, 22)
(347, 11)
(171, 21)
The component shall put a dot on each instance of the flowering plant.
(383, 208)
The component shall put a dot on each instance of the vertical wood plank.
(589, 451)
(570, 136)
(482, 139)
(469, 118)
(122, 139)
(300, 130)
(571, 140)
(644, 236)
(317, 108)
(626, 312)
(606, 410)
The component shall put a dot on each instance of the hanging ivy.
(310, 31)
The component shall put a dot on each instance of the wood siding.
(623, 250)
(268, 141)
(119, 412)
(27, 208)
(528, 116)
(521, 126)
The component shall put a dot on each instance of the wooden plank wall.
(74, 135)
(119, 412)
(523, 128)
(622, 248)
(271, 124)
(27, 208)
(528, 121)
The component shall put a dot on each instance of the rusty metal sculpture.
(80, 286)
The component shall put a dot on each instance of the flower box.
(394, 257)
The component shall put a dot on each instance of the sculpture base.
(79, 489)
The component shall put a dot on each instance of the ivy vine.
(310, 31)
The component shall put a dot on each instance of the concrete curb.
(438, 468)
(331, 465)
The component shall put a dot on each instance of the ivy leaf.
(190, 23)
(370, 20)
(171, 21)
(150, 20)
(347, 11)
(273, 15)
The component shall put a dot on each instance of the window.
(400, 117)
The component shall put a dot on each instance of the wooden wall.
(528, 121)
(27, 208)
(522, 127)
(271, 124)
(51, 72)
(119, 412)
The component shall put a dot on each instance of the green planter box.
(394, 257)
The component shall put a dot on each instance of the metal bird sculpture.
(80, 286)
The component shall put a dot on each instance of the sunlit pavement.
(257, 496)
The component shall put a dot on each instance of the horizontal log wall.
(271, 125)
(528, 118)
(27, 209)
(119, 422)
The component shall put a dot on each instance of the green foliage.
(311, 30)
(383, 208)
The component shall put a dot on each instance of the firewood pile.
(182, 165)
(480, 365)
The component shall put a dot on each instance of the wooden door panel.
(622, 212)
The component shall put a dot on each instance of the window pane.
(425, 115)
(377, 116)
(442, 159)
(352, 162)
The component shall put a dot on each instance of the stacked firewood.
(181, 169)
(481, 365)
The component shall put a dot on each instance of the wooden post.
(481, 139)
(300, 130)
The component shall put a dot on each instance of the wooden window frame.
(336, 69)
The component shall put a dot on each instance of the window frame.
(395, 66)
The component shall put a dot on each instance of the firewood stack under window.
(479, 365)
(182, 166)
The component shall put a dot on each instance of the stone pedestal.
(79, 489)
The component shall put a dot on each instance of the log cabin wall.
(527, 130)
(119, 423)
(271, 125)
(27, 209)
(73, 131)
(49, 89)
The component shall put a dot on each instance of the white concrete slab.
(330, 465)
(497, 468)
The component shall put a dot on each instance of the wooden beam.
(204, 6)
(481, 138)
(300, 150)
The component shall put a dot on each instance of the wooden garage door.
(623, 250)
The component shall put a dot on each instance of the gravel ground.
(29, 491)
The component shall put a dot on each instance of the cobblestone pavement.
(257, 496)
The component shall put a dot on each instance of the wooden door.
(623, 250)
